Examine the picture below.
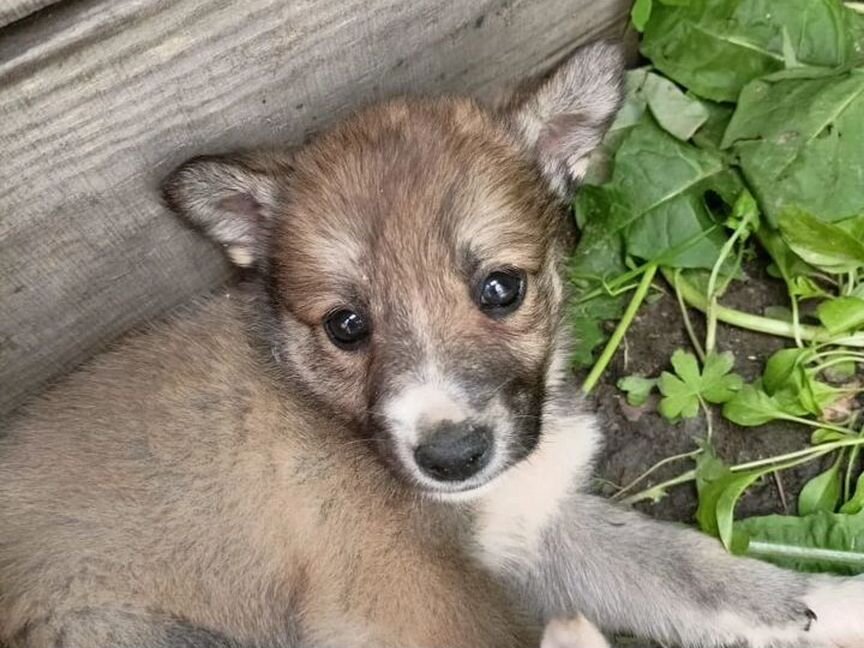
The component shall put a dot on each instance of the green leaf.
(842, 314)
(640, 14)
(780, 369)
(710, 135)
(824, 435)
(718, 384)
(820, 542)
(587, 319)
(751, 407)
(678, 114)
(600, 252)
(823, 245)
(821, 493)
(840, 372)
(719, 491)
(715, 47)
(790, 265)
(856, 502)
(815, 396)
(683, 389)
(637, 388)
(799, 142)
(660, 183)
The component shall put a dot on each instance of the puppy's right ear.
(232, 199)
(567, 116)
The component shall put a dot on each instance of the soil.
(637, 438)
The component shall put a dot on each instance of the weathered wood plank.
(12, 10)
(99, 99)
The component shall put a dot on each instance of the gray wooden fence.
(99, 99)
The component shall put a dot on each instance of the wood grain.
(13, 10)
(100, 99)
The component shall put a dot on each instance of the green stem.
(796, 320)
(854, 356)
(654, 468)
(712, 293)
(850, 468)
(688, 323)
(806, 454)
(836, 361)
(757, 323)
(627, 319)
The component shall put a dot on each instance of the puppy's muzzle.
(454, 452)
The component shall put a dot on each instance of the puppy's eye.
(501, 292)
(346, 329)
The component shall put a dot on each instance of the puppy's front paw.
(572, 633)
(838, 608)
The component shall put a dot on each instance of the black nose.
(455, 451)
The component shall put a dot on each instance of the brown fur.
(178, 477)
(231, 473)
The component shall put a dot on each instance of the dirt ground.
(636, 438)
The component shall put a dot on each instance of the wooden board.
(99, 99)
(14, 10)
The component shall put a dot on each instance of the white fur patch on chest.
(521, 504)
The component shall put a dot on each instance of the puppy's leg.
(572, 633)
(577, 554)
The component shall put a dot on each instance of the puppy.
(375, 440)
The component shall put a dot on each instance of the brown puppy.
(375, 441)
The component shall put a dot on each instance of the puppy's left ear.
(233, 199)
(568, 115)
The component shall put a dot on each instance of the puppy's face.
(412, 263)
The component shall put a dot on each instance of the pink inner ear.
(242, 204)
(565, 136)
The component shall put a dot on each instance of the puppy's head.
(411, 257)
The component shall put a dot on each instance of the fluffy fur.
(231, 478)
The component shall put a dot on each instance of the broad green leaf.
(710, 475)
(789, 264)
(800, 143)
(710, 135)
(640, 13)
(826, 542)
(662, 182)
(715, 47)
(842, 314)
(788, 399)
(653, 206)
(637, 389)
(856, 502)
(678, 114)
(823, 245)
(719, 491)
(780, 369)
(854, 226)
(821, 493)
(751, 407)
